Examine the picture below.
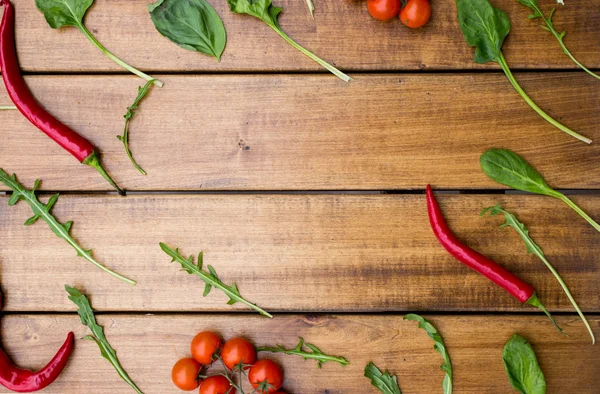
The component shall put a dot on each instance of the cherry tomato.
(185, 374)
(216, 385)
(204, 345)
(266, 371)
(383, 9)
(236, 351)
(416, 13)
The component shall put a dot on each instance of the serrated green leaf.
(67, 226)
(14, 198)
(53, 199)
(314, 353)
(200, 260)
(212, 271)
(207, 290)
(383, 381)
(520, 362)
(32, 220)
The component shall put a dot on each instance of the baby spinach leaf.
(510, 169)
(384, 382)
(439, 346)
(60, 13)
(524, 372)
(485, 27)
(268, 13)
(191, 24)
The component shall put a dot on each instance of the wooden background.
(305, 191)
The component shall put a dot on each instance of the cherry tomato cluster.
(236, 355)
(413, 13)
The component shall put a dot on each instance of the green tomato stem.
(115, 59)
(535, 107)
(580, 211)
(311, 55)
(7, 107)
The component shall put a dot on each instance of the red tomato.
(216, 385)
(185, 374)
(204, 345)
(266, 372)
(383, 9)
(236, 351)
(416, 13)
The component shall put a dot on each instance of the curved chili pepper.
(21, 96)
(487, 267)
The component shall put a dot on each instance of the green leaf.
(524, 372)
(384, 382)
(313, 353)
(59, 13)
(86, 315)
(42, 211)
(191, 24)
(483, 27)
(439, 346)
(210, 278)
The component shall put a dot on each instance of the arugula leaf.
(191, 24)
(142, 92)
(311, 8)
(532, 247)
(508, 168)
(61, 13)
(86, 314)
(314, 353)
(439, 346)
(549, 26)
(524, 372)
(268, 13)
(210, 278)
(384, 382)
(485, 27)
(42, 211)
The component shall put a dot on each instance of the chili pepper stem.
(115, 59)
(535, 301)
(93, 161)
(502, 62)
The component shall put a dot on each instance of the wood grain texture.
(148, 346)
(296, 253)
(275, 132)
(342, 33)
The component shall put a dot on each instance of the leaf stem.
(535, 107)
(580, 211)
(7, 107)
(311, 55)
(114, 58)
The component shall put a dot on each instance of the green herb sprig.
(524, 372)
(549, 26)
(509, 169)
(59, 13)
(86, 314)
(313, 353)
(210, 278)
(532, 247)
(439, 346)
(383, 381)
(142, 92)
(42, 211)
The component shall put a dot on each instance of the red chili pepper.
(21, 96)
(487, 267)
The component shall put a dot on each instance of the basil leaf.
(191, 24)
(524, 372)
(510, 169)
(384, 382)
(484, 27)
(59, 13)
(439, 346)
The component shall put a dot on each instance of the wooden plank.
(273, 132)
(297, 253)
(342, 33)
(474, 343)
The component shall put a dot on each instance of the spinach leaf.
(524, 372)
(268, 13)
(60, 13)
(532, 247)
(384, 382)
(86, 315)
(439, 346)
(191, 24)
(485, 27)
(510, 169)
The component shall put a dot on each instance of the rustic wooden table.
(257, 160)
